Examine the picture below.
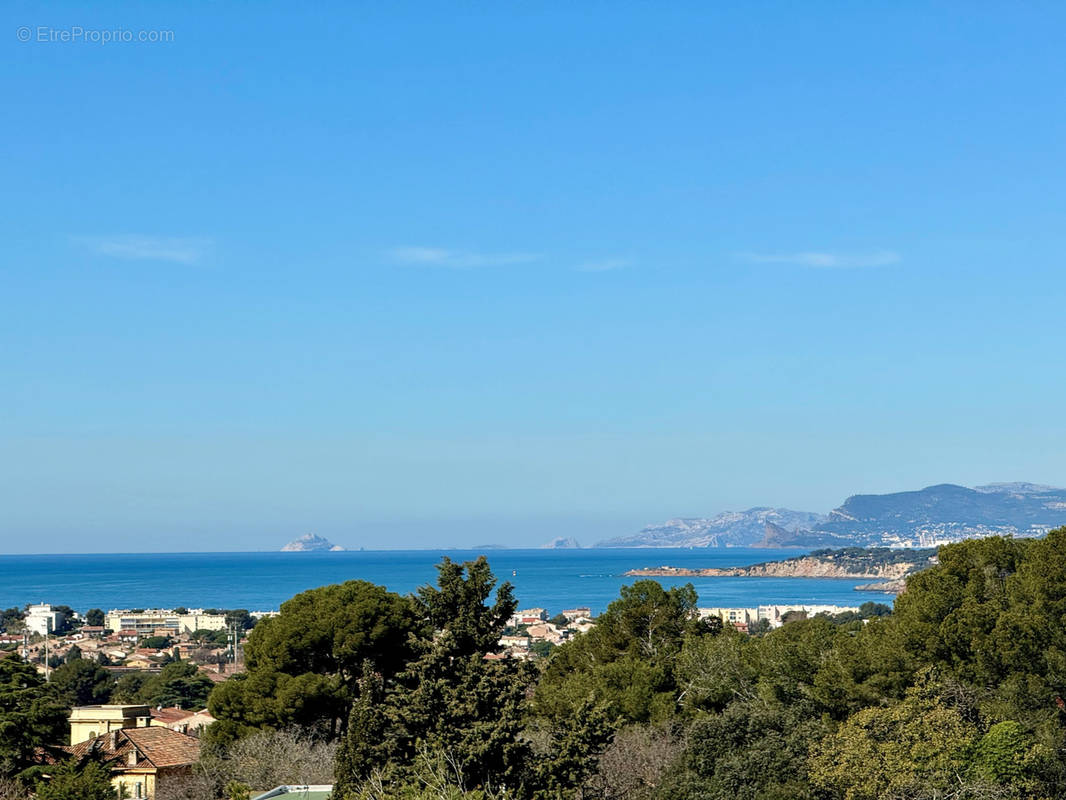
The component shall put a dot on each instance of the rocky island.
(562, 543)
(887, 567)
(311, 543)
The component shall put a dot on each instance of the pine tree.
(450, 703)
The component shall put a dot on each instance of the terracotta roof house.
(141, 759)
(167, 715)
(182, 720)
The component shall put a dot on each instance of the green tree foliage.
(67, 622)
(753, 713)
(870, 609)
(128, 687)
(464, 709)
(929, 745)
(73, 781)
(30, 716)
(627, 660)
(179, 683)
(991, 614)
(156, 642)
(570, 751)
(1009, 757)
(750, 751)
(303, 665)
(205, 636)
(271, 700)
(81, 683)
(541, 648)
(11, 620)
(333, 630)
(895, 751)
(450, 703)
(623, 671)
(457, 607)
(240, 618)
(95, 617)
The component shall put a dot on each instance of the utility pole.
(47, 667)
(234, 638)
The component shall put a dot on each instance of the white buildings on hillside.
(42, 619)
(147, 622)
(527, 616)
(742, 618)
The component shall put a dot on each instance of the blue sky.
(424, 274)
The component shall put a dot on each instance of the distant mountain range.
(728, 529)
(924, 518)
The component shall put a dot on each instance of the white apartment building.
(146, 622)
(527, 616)
(42, 620)
(771, 613)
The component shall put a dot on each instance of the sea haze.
(553, 579)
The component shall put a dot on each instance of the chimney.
(114, 739)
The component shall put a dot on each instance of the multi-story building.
(572, 614)
(737, 617)
(742, 618)
(42, 619)
(774, 614)
(150, 622)
(88, 722)
(139, 755)
(527, 616)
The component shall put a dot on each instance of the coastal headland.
(886, 567)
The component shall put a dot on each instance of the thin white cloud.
(824, 259)
(456, 259)
(604, 265)
(133, 247)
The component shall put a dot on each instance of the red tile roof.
(154, 746)
(170, 714)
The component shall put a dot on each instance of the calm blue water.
(553, 579)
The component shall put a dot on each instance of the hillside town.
(147, 746)
(146, 640)
(123, 640)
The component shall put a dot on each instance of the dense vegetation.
(956, 694)
(865, 557)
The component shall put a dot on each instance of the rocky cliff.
(875, 564)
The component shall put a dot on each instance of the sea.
(550, 579)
